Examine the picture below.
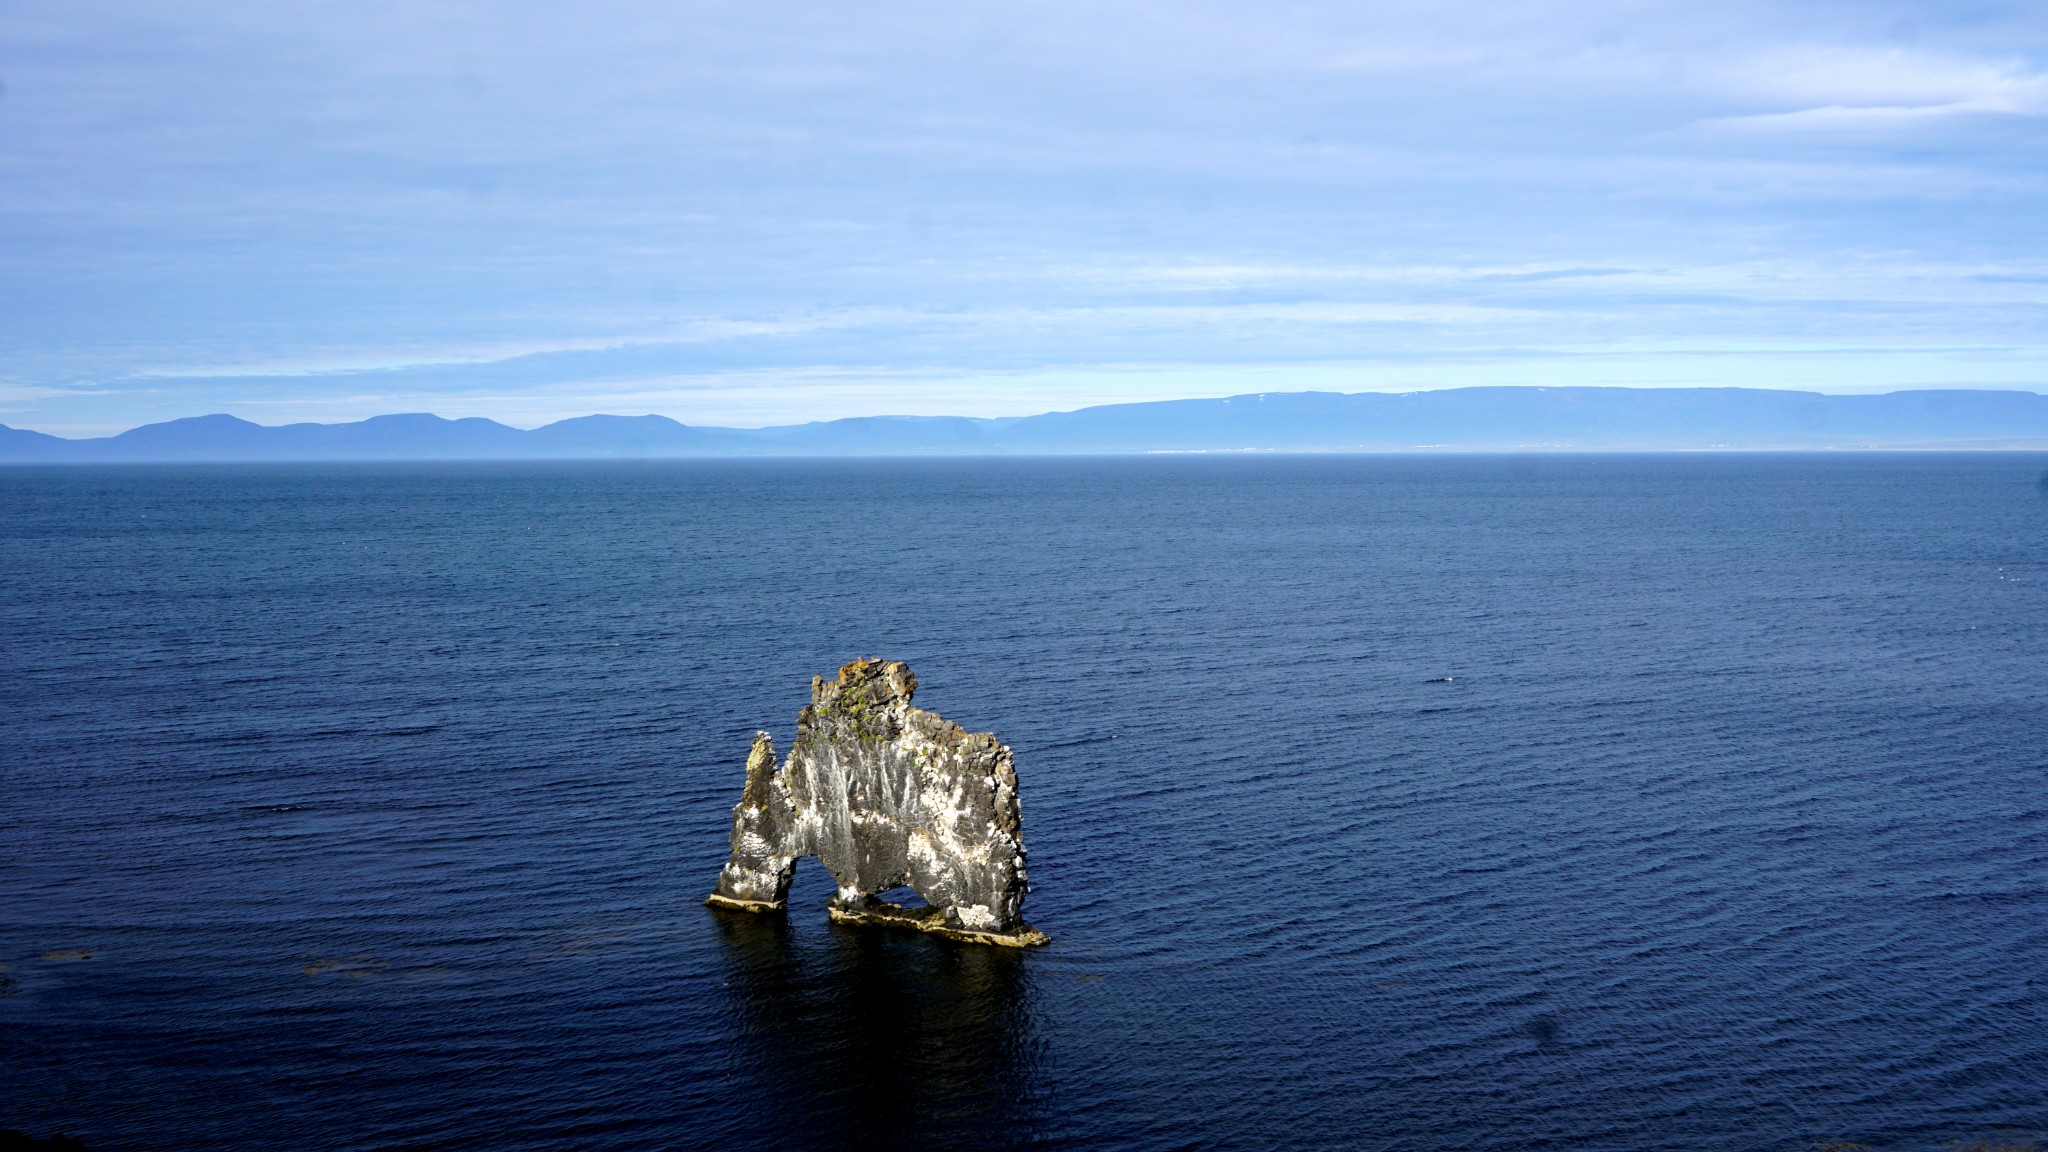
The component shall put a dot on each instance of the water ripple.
(1561, 803)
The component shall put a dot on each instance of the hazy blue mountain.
(20, 444)
(630, 436)
(1545, 418)
(228, 438)
(1501, 419)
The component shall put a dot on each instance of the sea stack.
(884, 795)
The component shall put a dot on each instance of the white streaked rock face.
(884, 794)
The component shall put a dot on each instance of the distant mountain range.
(1471, 419)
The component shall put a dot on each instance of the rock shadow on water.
(873, 1038)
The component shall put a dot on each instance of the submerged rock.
(884, 795)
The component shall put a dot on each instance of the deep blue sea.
(1410, 802)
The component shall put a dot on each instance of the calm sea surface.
(1420, 803)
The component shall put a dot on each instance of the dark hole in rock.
(812, 885)
(902, 894)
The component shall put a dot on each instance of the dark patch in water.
(12, 1141)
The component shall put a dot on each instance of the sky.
(767, 213)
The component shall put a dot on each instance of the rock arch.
(884, 794)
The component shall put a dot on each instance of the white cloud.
(1849, 88)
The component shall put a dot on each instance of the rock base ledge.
(932, 920)
(739, 905)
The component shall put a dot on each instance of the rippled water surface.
(1384, 803)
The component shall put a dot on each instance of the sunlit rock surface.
(884, 795)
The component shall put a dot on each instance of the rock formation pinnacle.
(884, 794)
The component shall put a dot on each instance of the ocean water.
(1555, 802)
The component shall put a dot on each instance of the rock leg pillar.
(756, 877)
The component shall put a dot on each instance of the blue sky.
(768, 213)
